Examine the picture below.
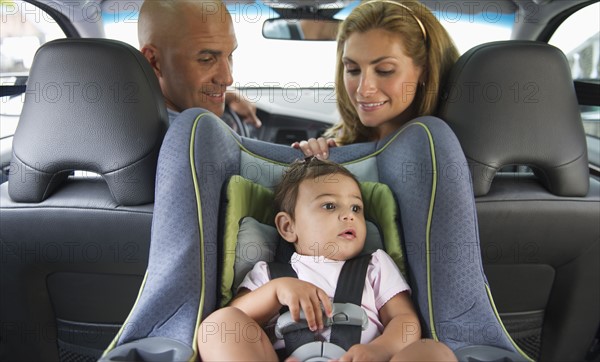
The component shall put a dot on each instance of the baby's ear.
(285, 226)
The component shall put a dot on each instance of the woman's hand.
(300, 295)
(315, 147)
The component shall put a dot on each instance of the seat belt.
(348, 290)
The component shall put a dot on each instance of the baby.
(320, 211)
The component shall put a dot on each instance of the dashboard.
(287, 114)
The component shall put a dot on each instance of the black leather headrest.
(93, 105)
(514, 102)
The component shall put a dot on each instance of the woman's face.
(381, 80)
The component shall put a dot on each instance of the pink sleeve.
(385, 277)
(256, 277)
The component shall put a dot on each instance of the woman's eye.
(352, 71)
(385, 72)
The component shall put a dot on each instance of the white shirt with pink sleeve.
(383, 281)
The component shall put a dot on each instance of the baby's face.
(329, 218)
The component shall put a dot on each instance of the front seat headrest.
(92, 105)
(514, 102)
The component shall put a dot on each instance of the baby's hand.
(315, 147)
(300, 295)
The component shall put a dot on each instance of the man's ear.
(285, 226)
(151, 54)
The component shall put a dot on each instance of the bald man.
(190, 46)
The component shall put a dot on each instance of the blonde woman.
(392, 58)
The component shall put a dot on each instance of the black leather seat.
(513, 103)
(75, 245)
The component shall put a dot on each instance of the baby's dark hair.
(286, 191)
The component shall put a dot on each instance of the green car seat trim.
(199, 211)
(380, 208)
(245, 198)
(386, 145)
(428, 229)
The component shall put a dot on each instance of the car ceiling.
(532, 16)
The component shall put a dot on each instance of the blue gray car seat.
(422, 164)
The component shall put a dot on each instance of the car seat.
(514, 103)
(422, 164)
(76, 212)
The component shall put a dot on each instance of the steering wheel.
(235, 122)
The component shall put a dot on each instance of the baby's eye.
(329, 206)
(356, 208)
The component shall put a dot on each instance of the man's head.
(189, 43)
(321, 210)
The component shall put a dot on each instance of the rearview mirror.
(301, 29)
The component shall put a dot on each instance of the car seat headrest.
(514, 103)
(93, 105)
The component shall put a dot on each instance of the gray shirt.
(172, 115)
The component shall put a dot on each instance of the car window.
(311, 64)
(24, 28)
(277, 63)
(579, 38)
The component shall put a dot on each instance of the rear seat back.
(75, 248)
(513, 103)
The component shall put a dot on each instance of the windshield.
(276, 63)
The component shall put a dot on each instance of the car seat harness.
(347, 322)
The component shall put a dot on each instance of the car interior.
(80, 188)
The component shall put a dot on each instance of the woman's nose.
(366, 86)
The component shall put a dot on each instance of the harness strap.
(294, 339)
(349, 289)
(281, 270)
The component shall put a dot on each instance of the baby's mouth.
(348, 234)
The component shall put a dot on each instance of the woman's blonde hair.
(425, 41)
